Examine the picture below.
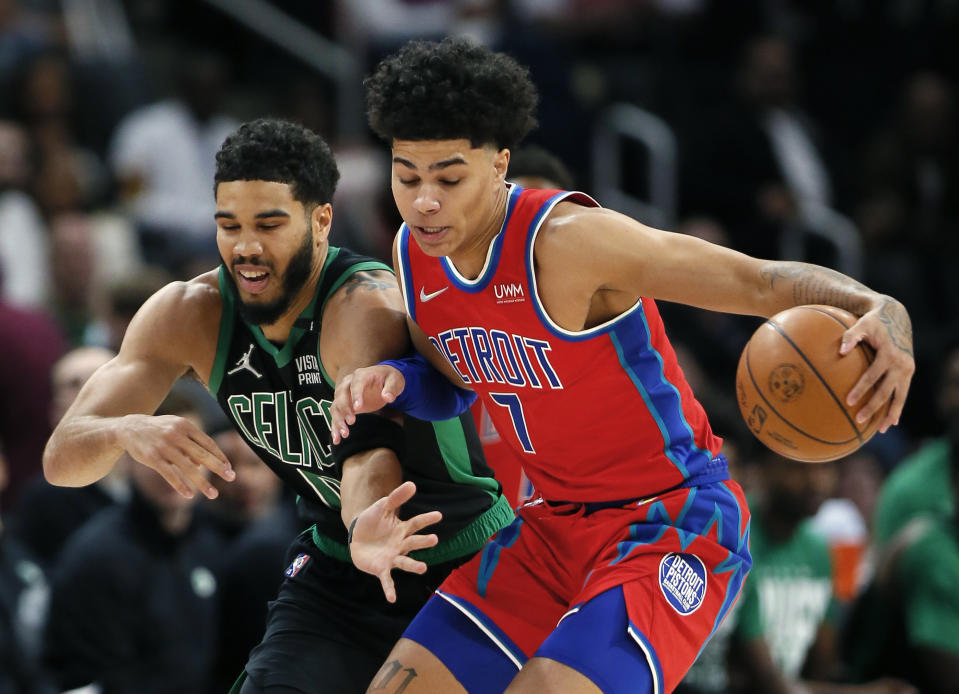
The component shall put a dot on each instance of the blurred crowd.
(804, 129)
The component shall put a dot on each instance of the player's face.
(450, 194)
(269, 242)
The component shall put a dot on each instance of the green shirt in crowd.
(920, 484)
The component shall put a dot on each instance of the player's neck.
(279, 331)
(471, 259)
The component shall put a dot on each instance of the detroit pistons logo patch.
(297, 564)
(682, 578)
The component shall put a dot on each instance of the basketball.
(792, 383)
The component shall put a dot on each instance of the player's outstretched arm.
(113, 411)
(603, 251)
(363, 324)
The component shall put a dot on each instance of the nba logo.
(297, 564)
(682, 578)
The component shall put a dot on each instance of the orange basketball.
(792, 384)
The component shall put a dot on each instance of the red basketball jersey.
(596, 415)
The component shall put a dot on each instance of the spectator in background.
(922, 483)
(907, 623)
(23, 33)
(758, 161)
(252, 496)
(264, 523)
(782, 635)
(23, 598)
(133, 605)
(122, 298)
(48, 515)
(73, 274)
(163, 158)
(532, 166)
(24, 263)
(31, 344)
(908, 211)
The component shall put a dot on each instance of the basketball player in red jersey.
(541, 302)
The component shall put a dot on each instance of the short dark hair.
(449, 90)
(269, 149)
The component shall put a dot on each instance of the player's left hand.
(381, 541)
(367, 389)
(888, 330)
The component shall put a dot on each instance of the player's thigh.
(455, 647)
(412, 669)
(592, 650)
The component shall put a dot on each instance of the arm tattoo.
(370, 280)
(812, 284)
(393, 678)
(893, 315)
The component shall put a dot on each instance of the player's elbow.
(55, 470)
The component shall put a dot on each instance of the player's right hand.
(367, 389)
(176, 448)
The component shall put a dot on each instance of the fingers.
(415, 542)
(341, 411)
(389, 590)
(417, 523)
(409, 565)
(852, 337)
(195, 473)
(171, 474)
(211, 457)
(399, 496)
(393, 385)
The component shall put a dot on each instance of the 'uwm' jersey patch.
(598, 414)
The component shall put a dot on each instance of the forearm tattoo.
(376, 281)
(393, 678)
(812, 284)
(893, 315)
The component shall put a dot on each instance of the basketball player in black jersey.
(269, 333)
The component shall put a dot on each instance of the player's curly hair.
(269, 149)
(449, 90)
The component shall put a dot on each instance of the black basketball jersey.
(279, 398)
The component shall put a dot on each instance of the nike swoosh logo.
(424, 297)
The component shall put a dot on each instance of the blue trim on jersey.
(505, 537)
(481, 282)
(704, 507)
(644, 364)
(547, 322)
(403, 251)
(731, 563)
(650, 652)
(483, 621)
(594, 639)
(738, 560)
(447, 628)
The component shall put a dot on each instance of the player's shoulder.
(195, 301)
(182, 319)
(568, 232)
(371, 286)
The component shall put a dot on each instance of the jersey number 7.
(511, 402)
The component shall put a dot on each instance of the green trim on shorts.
(466, 541)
